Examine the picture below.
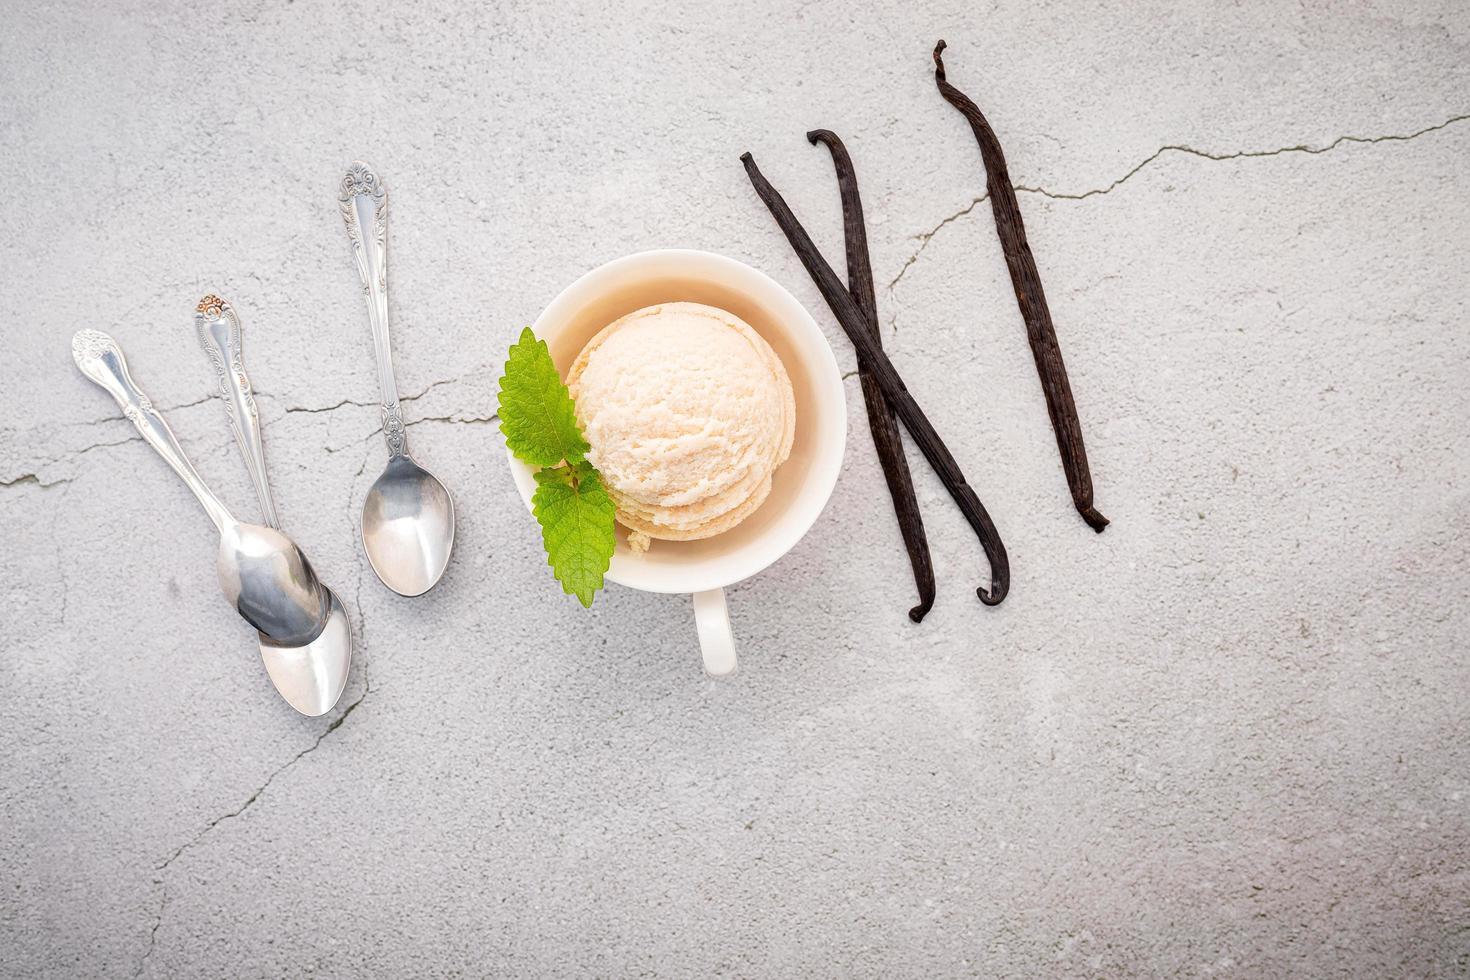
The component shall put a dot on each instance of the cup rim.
(821, 479)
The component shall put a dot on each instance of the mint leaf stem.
(576, 515)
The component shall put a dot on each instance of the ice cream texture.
(689, 412)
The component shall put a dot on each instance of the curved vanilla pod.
(1027, 283)
(853, 322)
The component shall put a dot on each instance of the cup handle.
(716, 640)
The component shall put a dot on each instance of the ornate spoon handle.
(364, 203)
(221, 337)
(101, 360)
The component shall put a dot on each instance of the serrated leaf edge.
(554, 476)
(534, 346)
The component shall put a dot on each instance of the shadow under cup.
(800, 487)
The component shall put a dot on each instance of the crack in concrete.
(73, 454)
(163, 867)
(34, 477)
(1243, 154)
(455, 419)
(68, 456)
(152, 935)
(315, 410)
(923, 238)
(336, 723)
(162, 408)
(294, 409)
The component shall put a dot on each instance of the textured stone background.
(1227, 737)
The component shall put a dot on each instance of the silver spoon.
(408, 516)
(261, 571)
(309, 677)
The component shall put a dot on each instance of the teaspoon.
(261, 571)
(408, 515)
(310, 677)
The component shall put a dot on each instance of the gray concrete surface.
(1226, 738)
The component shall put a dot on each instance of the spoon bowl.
(311, 677)
(271, 584)
(408, 527)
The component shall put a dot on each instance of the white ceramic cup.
(801, 485)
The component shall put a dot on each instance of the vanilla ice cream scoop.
(688, 412)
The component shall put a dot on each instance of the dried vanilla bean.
(1027, 284)
(882, 419)
(853, 322)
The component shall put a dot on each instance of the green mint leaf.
(576, 517)
(536, 412)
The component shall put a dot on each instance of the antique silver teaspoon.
(311, 677)
(261, 571)
(408, 516)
